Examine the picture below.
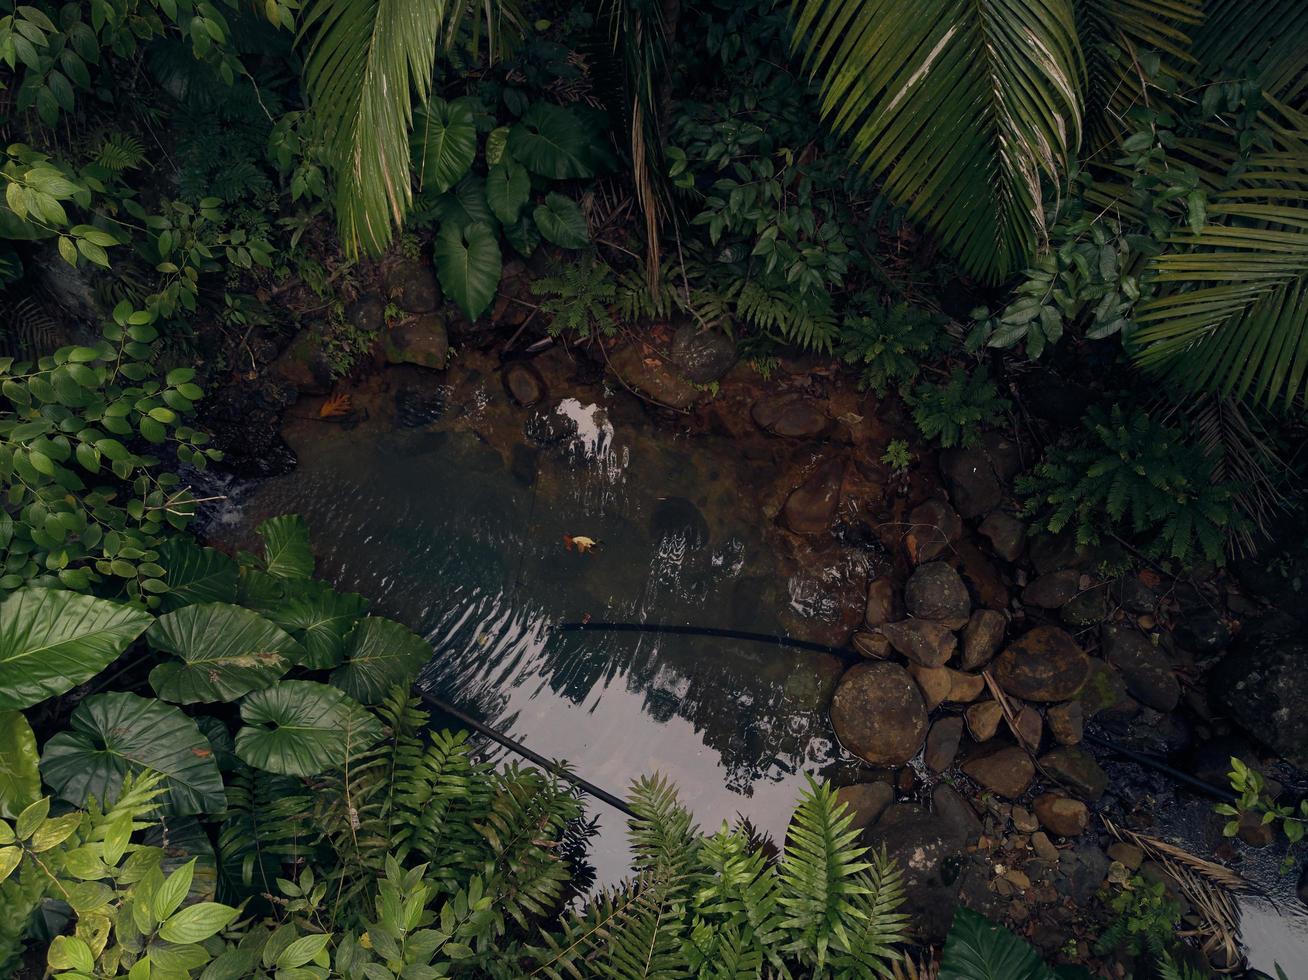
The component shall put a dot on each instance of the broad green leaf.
(226, 651)
(497, 141)
(560, 221)
(51, 641)
(110, 735)
(380, 654)
(168, 897)
(301, 728)
(977, 949)
(507, 189)
(464, 205)
(320, 617)
(287, 552)
(20, 781)
(182, 840)
(553, 141)
(196, 923)
(444, 144)
(196, 574)
(468, 266)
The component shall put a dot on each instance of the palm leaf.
(958, 107)
(1268, 43)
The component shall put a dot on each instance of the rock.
(972, 483)
(1203, 632)
(1054, 552)
(983, 720)
(1077, 771)
(878, 714)
(927, 850)
(1211, 760)
(791, 416)
(1005, 456)
(245, 420)
(367, 313)
(866, 801)
(1024, 821)
(1052, 591)
(964, 687)
(703, 356)
(419, 405)
(925, 643)
(1105, 693)
(934, 526)
(982, 576)
(1030, 726)
(678, 520)
(1066, 722)
(1263, 684)
(883, 605)
(1044, 847)
(873, 645)
(942, 743)
(1044, 664)
(810, 684)
(412, 286)
(523, 383)
(1006, 534)
(1144, 668)
(1127, 855)
(1061, 815)
(934, 683)
(1081, 870)
(1134, 596)
(935, 591)
(418, 340)
(1006, 771)
(654, 375)
(811, 506)
(982, 637)
(1087, 607)
(956, 813)
(305, 364)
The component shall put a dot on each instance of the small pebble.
(1043, 846)
(1024, 820)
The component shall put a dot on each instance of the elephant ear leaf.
(225, 651)
(381, 653)
(554, 142)
(112, 735)
(468, 265)
(977, 949)
(445, 143)
(560, 221)
(301, 728)
(51, 641)
(507, 189)
(320, 617)
(195, 574)
(20, 781)
(287, 552)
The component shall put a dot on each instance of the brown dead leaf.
(337, 406)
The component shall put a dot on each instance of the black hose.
(1158, 765)
(784, 641)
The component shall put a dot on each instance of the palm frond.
(1268, 44)
(959, 107)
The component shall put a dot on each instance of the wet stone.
(875, 646)
(1006, 534)
(1052, 591)
(811, 506)
(1066, 722)
(793, 417)
(925, 643)
(883, 605)
(956, 813)
(982, 637)
(523, 383)
(866, 801)
(1076, 770)
(1044, 664)
(983, 720)
(1061, 815)
(878, 714)
(972, 483)
(1145, 669)
(934, 683)
(934, 527)
(935, 591)
(419, 340)
(703, 356)
(1104, 695)
(1007, 771)
(1087, 608)
(964, 687)
(942, 743)
(927, 849)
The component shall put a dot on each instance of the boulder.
(925, 643)
(973, 486)
(418, 340)
(305, 364)
(883, 605)
(942, 743)
(933, 527)
(1044, 664)
(654, 375)
(791, 416)
(927, 850)
(957, 814)
(934, 683)
(811, 506)
(1144, 668)
(964, 687)
(1061, 815)
(1077, 771)
(878, 714)
(866, 801)
(1066, 722)
(411, 285)
(1263, 684)
(523, 383)
(702, 356)
(367, 313)
(983, 720)
(1054, 590)
(1105, 694)
(1005, 771)
(1087, 607)
(935, 591)
(1006, 534)
(982, 638)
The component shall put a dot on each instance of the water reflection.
(456, 528)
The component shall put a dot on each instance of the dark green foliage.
(1146, 920)
(887, 346)
(577, 298)
(955, 412)
(1126, 475)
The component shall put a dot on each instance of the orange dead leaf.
(337, 406)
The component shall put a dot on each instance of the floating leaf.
(226, 651)
(301, 728)
(52, 640)
(560, 221)
(337, 406)
(20, 781)
(468, 265)
(287, 552)
(110, 735)
(381, 653)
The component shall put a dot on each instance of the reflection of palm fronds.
(27, 331)
(1207, 886)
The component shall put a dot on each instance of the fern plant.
(1126, 475)
(887, 346)
(953, 412)
(577, 299)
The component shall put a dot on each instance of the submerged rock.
(811, 506)
(935, 591)
(679, 519)
(420, 340)
(523, 383)
(792, 416)
(878, 714)
(419, 405)
(655, 376)
(702, 356)
(1044, 664)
